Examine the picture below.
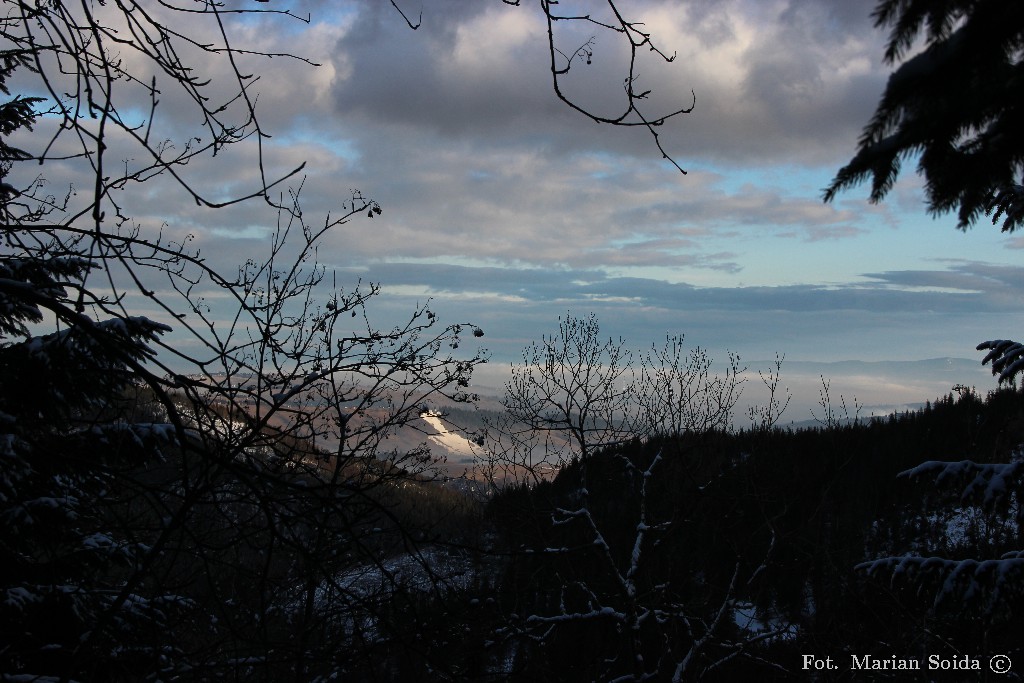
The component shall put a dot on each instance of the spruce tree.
(957, 104)
(217, 504)
(56, 455)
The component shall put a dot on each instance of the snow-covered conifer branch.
(1006, 356)
(990, 484)
(969, 581)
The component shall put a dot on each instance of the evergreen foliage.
(249, 519)
(1006, 356)
(223, 506)
(956, 103)
(61, 563)
(793, 513)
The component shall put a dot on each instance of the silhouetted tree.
(608, 19)
(956, 103)
(961, 557)
(208, 492)
(632, 33)
(593, 562)
(573, 393)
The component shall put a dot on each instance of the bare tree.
(599, 566)
(766, 415)
(572, 394)
(211, 491)
(607, 19)
(638, 41)
(678, 394)
(833, 417)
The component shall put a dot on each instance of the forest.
(696, 555)
(239, 475)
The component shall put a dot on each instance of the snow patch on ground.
(454, 444)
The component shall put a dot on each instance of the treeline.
(751, 540)
(712, 555)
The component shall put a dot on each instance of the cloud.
(775, 81)
(1000, 285)
(468, 71)
(509, 208)
(961, 290)
(889, 314)
(455, 129)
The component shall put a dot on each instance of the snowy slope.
(454, 444)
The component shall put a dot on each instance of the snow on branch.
(989, 483)
(967, 580)
(1006, 356)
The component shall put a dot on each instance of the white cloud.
(509, 207)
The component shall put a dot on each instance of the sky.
(508, 209)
